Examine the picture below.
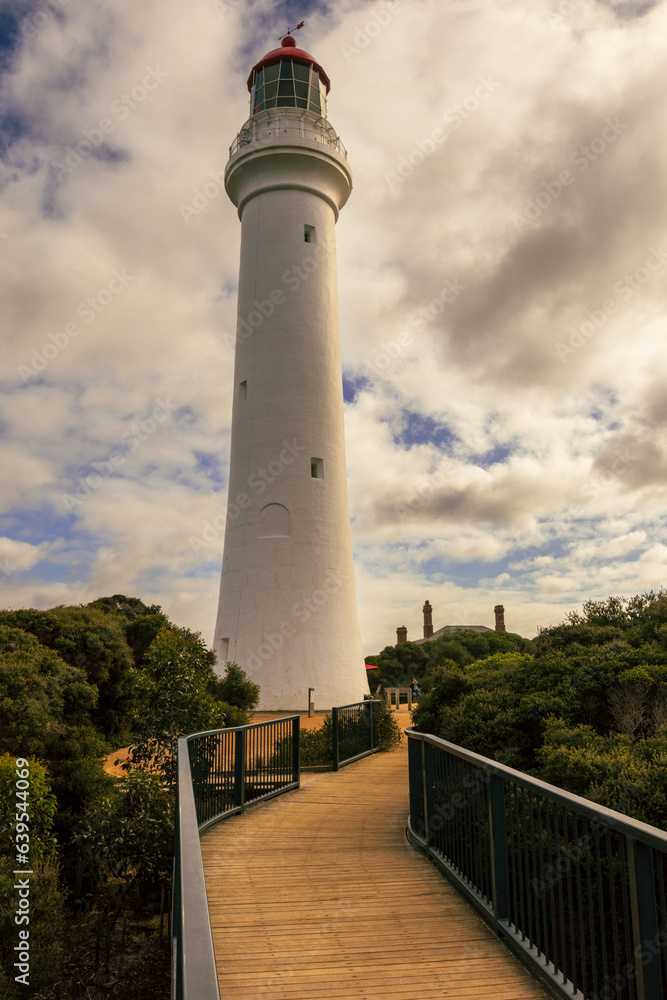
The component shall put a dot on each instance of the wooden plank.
(316, 895)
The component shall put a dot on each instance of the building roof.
(288, 50)
(454, 628)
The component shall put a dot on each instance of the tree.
(37, 689)
(94, 642)
(45, 707)
(585, 706)
(140, 622)
(176, 700)
(129, 835)
(37, 818)
(397, 665)
(234, 688)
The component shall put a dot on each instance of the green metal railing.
(354, 731)
(577, 891)
(219, 773)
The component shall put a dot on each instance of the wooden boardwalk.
(317, 895)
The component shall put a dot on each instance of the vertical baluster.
(566, 873)
(475, 831)
(591, 911)
(663, 914)
(644, 919)
(526, 863)
(239, 770)
(580, 905)
(335, 736)
(542, 881)
(466, 832)
(550, 872)
(629, 957)
(602, 908)
(511, 868)
(215, 777)
(612, 901)
(295, 749)
(483, 842)
(536, 876)
(519, 864)
(498, 851)
(460, 819)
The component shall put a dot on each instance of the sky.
(502, 283)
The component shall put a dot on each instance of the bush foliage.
(583, 705)
(76, 683)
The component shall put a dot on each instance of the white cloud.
(526, 500)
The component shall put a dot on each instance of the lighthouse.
(287, 612)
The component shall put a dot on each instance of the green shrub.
(47, 939)
(129, 834)
(37, 820)
(630, 777)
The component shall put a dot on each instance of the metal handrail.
(576, 890)
(270, 127)
(220, 772)
(354, 732)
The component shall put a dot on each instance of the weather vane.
(290, 30)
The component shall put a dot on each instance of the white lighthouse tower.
(288, 612)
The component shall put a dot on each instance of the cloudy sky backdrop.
(503, 293)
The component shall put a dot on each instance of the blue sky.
(502, 285)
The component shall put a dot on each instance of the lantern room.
(288, 77)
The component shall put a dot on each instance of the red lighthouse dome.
(288, 77)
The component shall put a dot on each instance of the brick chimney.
(428, 620)
(401, 634)
(499, 612)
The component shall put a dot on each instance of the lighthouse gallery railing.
(219, 773)
(577, 891)
(270, 127)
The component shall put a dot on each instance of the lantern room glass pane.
(288, 84)
(270, 90)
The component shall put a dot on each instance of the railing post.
(334, 727)
(414, 775)
(295, 748)
(645, 933)
(429, 787)
(371, 710)
(239, 770)
(499, 857)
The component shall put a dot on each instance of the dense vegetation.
(76, 684)
(316, 745)
(583, 705)
(395, 666)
